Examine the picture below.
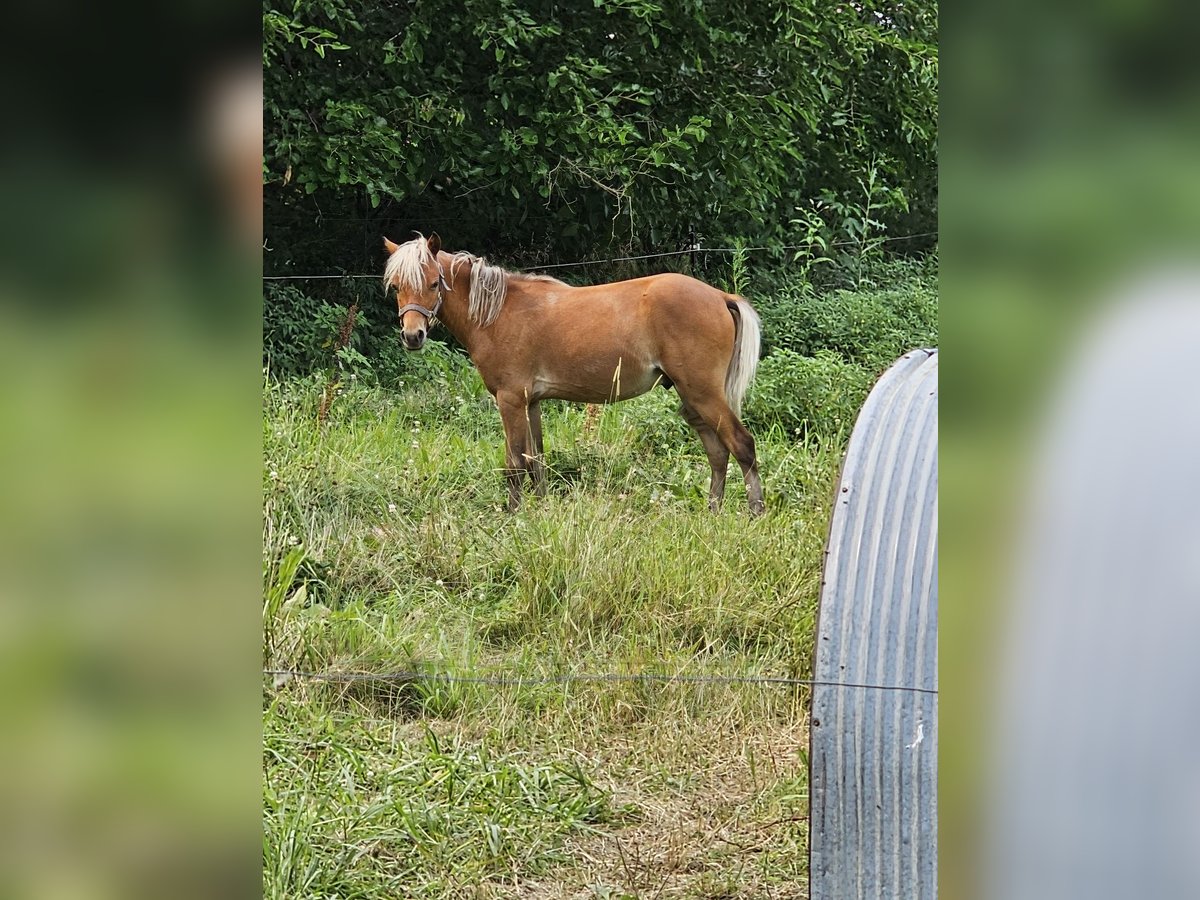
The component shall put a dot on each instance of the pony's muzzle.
(413, 329)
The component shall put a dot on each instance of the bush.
(871, 328)
(818, 395)
(822, 350)
(300, 333)
(298, 330)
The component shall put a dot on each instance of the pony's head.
(416, 276)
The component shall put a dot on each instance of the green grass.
(356, 807)
(386, 548)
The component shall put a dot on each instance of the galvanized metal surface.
(873, 753)
(1093, 791)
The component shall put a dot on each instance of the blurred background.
(129, 526)
(1069, 226)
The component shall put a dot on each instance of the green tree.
(538, 129)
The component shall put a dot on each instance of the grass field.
(386, 549)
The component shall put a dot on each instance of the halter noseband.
(430, 314)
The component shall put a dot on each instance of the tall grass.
(386, 549)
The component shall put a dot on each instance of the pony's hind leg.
(737, 439)
(718, 456)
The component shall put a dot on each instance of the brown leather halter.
(430, 314)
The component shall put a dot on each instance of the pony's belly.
(591, 385)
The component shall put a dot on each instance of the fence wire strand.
(598, 262)
(584, 677)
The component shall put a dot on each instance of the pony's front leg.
(514, 414)
(537, 469)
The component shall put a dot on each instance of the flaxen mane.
(406, 266)
(489, 286)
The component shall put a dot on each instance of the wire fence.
(583, 677)
(619, 259)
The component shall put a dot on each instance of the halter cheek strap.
(437, 307)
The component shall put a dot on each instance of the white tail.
(746, 338)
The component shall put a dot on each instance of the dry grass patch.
(719, 814)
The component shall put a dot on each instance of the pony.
(533, 337)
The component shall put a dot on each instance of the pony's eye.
(433, 287)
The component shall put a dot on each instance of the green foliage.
(436, 365)
(869, 327)
(738, 269)
(410, 819)
(808, 396)
(300, 333)
(298, 329)
(533, 127)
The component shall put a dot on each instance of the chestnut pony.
(534, 338)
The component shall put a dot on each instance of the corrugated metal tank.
(1092, 788)
(873, 738)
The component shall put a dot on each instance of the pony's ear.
(390, 247)
(435, 244)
